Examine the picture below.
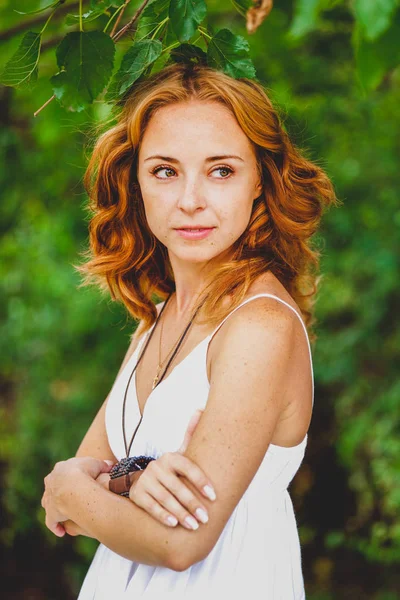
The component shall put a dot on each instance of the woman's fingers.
(157, 501)
(182, 465)
(54, 526)
(164, 495)
(73, 528)
(179, 500)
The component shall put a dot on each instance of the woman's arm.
(114, 520)
(245, 402)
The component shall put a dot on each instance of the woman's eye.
(227, 170)
(158, 169)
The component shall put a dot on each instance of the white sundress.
(257, 555)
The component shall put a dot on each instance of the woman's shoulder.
(268, 283)
(263, 311)
(266, 299)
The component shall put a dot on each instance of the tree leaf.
(138, 58)
(186, 53)
(104, 4)
(87, 17)
(375, 59)
(242, 6)
(39, 10)
(154, 13)
(305, 19)
(230, 54)
(86, 61)
(374, 17)
(157, 10)
(185, 16)
(22, 66)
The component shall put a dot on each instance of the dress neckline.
(136, 353)
(145, 337)
(279, 448)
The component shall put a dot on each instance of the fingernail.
(209, 492)
(202, 515)
(172, 521)
(109, 462)
(191, 522)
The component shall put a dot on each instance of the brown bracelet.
(120, 485)
(120, 481)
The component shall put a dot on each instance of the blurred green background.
(332, 69)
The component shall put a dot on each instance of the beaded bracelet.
(122, 468)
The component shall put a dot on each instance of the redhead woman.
(203, 213)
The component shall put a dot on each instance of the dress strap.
(266, 295)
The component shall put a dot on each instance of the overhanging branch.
(35, 21)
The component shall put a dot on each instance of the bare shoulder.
(257, 325)
(259, 316)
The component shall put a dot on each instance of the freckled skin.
(194, 192)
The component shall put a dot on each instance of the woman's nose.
(191, 196)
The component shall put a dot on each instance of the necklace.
(157, 379)
(160, 362)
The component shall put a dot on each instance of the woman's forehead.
(206, 127)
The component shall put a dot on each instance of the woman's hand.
(161, 493)
(72, 528)
(57, 482)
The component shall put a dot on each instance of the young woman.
(199, 199)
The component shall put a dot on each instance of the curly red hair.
(126, 259)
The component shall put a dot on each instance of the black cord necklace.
(128, 448)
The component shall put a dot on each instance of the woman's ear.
(259, 189)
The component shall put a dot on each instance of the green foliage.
(242, 6)
(374, 17)
(229, 53)
(186, 16)
(86, 58)
(189, 53)
(138, 58)
(306, 16)
(23, 65)
(86, 61)
(375, 57)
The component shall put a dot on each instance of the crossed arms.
(245, 403)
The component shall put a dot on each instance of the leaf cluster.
(163, 31)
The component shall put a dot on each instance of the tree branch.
(35, 21)
(115, 37)
(115, 27)
(130, 23)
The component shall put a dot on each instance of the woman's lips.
(194, 234)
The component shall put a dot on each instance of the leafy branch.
(165, 31)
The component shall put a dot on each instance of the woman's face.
(197, 168)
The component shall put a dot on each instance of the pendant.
(156, 378)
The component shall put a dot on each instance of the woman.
(200, 199)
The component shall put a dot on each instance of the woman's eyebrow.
(209, 159)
